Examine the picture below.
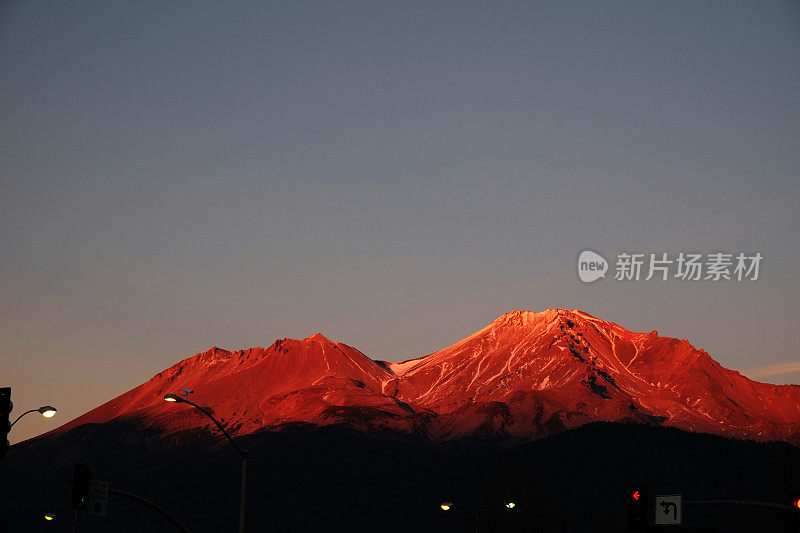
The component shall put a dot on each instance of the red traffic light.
(637, 508)
(797, 503)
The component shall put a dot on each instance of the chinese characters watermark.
(632, 266)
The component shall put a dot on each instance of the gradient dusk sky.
(180, 175)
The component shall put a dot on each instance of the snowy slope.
(523, 376)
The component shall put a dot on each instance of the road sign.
(668, 510)
(97, 504)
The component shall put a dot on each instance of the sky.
(180, 175)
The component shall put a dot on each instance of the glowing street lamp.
(446, 506)
(184, 399)
(49, 516)
(47, 411)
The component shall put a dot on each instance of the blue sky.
(393, 174)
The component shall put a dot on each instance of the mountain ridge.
(523, 376)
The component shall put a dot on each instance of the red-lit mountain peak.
(518, 349)
(529, 373)
(292, 380)
(524, 375)
(317, 337)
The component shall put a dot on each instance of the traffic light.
(796, 516)
(80, 486)
(5, 425)
(637, 508)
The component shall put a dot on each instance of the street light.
(49, 516)
(446, 506)
(243, 454)
(47, 411)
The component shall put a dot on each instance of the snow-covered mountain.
(523, 376)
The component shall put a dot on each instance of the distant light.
(446, 506)
(172, 398)
(797, 503)
(511, 505)
(49, 516)
(48, 411)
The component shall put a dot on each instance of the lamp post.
(47, 411)
(243, 454)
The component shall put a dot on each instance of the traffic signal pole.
(135, 497)
(6, 405)
(742, 503)
(154, 506)
(242, 491)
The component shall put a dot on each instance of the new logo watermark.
(686, 266)
(591, 266)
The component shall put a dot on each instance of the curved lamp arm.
(20, 416)
(176, 398)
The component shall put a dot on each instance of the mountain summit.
(523, 376)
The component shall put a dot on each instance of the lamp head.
(48, 411)
(172, 398)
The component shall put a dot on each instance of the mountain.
(340, 442)
(313, 380)
(524, 376)
(530, 374)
